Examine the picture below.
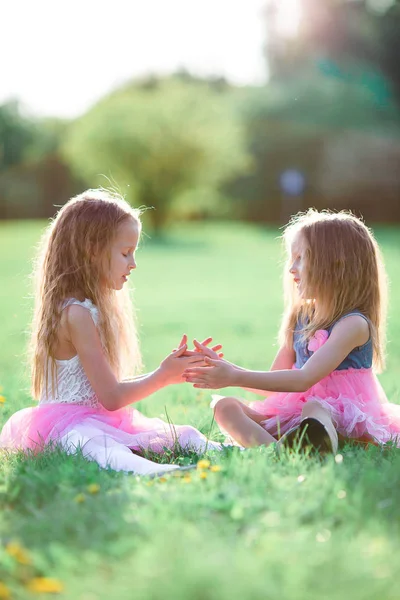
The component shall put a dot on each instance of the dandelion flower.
(2, 399)
(186, 479)
(216, 468)
(45, 585)
(203, 464)
(21, 555)
(5, 593)
(203, 475)
(93, 488)
(79, 498)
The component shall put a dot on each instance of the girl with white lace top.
(84, 341)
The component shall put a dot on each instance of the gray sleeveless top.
(359, 358)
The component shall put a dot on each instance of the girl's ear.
(97, 255)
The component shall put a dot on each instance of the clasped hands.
(203, 366)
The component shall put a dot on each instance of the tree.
(16, 133)
(33, 177)
(332, 80)
(355, 40)
(158, 138)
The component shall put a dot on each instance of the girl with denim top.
(323, 380)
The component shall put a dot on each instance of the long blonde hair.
(344, 272)
(83, 228)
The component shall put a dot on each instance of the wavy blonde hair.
(84, 228)
(344, 272)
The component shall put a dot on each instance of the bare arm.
(345, 336)
(114, 394)
(284, 359)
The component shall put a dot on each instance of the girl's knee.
(224, 406)
(187, 431)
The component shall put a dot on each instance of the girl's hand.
(173, 366)
(210, 352)
(218, 374)
(201, 347)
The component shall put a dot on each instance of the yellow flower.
(45, 585)
(4, 591)
(162, 479)
(80, 498)
(21, 555)
(93, 488)
(2, 399)
(203, 475)
(186, 479)
(215, 468)
(203, 464)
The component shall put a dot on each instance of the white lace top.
(73, 386)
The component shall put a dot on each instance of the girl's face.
(298, 264)
(123, 254)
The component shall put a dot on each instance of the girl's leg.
(242, 423)
(110, 454)
(316, 428)
(314, 410)
(191, 438)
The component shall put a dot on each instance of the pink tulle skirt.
(104, 436)
(354, 398)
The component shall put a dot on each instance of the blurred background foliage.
(197, 148)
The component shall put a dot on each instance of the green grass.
(263, 527)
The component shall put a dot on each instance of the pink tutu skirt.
(104, 436)
(354, 398)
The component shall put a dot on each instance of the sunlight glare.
(138, 38)
(288, 17)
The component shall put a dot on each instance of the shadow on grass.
(53, 499)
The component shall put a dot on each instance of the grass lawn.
(289, 528)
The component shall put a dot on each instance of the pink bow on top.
(318, 339)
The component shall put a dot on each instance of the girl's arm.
(284, 359)
(345, 336)
(114, 394)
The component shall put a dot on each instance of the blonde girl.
(322, 381)
(84, 343)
